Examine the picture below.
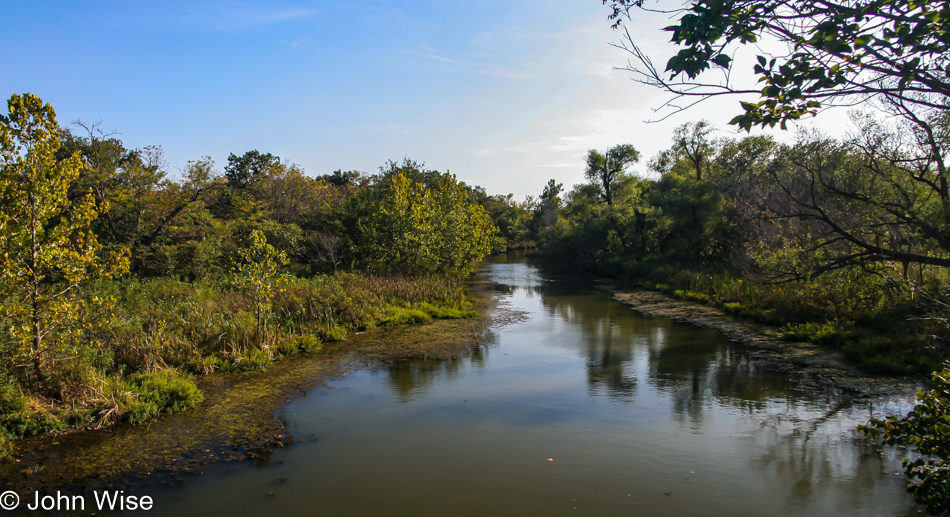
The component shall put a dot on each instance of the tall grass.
(877, 322)
(146, 339)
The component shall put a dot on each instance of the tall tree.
(242, 171)
(47, 246)
(417, 220)
(888, 197)
(692, 140)
(549, 204)
(607, 169)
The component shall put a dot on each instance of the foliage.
(692, 146)
(160, 392)
(420, 222)
(872, 198)
(47, 248)
(927, 428)
(892, 49)
(82, 349)
(737, 236)
(258, 277)
(244, 170)
(605, 170)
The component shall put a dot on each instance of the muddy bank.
(236, 421)
(821, 365)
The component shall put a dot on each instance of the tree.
(419, 221)
(47, 247)
(136, 200)
(890, 200)
(857, 201)
(838, 53)
(242, 171)
(691, 140)
(926, 427)
(258, 276)
(691, 146)
(606, 169)
(549, 205)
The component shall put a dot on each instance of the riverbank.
(768, 345)
(579, 404)
(144, 351)
(238, 418)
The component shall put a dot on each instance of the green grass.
(879, 327)
(144, 341)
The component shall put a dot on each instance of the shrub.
(926, 427)
(164, 391)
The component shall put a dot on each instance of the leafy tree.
(860, 201)
(415, 220)
(549, 205)
(258, 276)
(242, 171)
(137, 201)
(513, 219)
(890, 198)
(607, 169)
(838, 53)
(692, 141)
(341, 178)
(47, 247)
(927, 428)
(688, 222)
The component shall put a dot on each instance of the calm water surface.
(583, 408)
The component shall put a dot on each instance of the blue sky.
(506, 94)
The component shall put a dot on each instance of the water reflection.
(583, 408)
(811, 453)
(694, 367)
(410, 378)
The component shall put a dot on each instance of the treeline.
(405, 219)
(844, 242)
(120, 282)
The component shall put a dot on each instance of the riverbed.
(569, 403)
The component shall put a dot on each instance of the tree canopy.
(837, 53)
(46, 246)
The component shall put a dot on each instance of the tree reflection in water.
(410, 378)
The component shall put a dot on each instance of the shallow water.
(582, 408)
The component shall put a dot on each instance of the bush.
(160, 392)
(927, 428)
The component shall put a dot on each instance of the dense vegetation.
(858, 227)
(774, 233)
(120, 284)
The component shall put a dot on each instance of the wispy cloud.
(296, 42)
(475, 67)
(245, 16)
(430, 53)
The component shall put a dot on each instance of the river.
(579, 406)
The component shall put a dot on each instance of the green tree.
(258, 276)
(549, 207)
(838, 52)
(137, 202)
(414, 220)
(692, 141)
(890, 199)
(47, 247)
(927, 428)
(243, 171)
(607, 169)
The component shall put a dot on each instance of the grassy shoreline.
(144, 342)
(881, 329)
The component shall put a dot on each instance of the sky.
(505, 94)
